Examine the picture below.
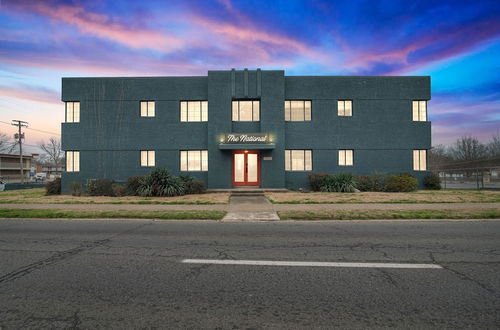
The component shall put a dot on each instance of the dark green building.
(245, 127)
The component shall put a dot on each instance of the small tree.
(53, 150)
(493, 147)
(6, 145)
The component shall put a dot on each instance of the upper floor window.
(345, 157)
(147, 108)
(298, 160)
(72, 161)
(297, 110)
(194, 111)
(147, 158)
(246, 110)
(344, 107)
(194, 160)
(419, 110)
(72, 112)
(420, 160)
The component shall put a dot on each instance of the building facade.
(245, 127)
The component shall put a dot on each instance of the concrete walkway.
(255, 204)
(250, 208)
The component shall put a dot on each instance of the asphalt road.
(128, 274)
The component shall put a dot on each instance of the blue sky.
(457, 43)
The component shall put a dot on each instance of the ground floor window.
(72, 161)
(194, 160)
(345, 157)
(419, 160)
(147, 158)
(298, 160)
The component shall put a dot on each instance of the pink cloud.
(104, 27)
(30, 94)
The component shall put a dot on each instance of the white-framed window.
(72, 161)
(419, 110)
(194, 160)
(72, 112)
(298, 160)
(345, 157)
(194, 111)
(147, 158)
(344, 108)
(296, 110)
(246, 110)
(147, 108)
(420, 160)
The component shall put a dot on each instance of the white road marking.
(311, 264)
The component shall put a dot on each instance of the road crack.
(60, 256)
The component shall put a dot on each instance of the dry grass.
(37, 196)
(420, 196)
(390, 214)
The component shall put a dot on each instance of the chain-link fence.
(470, 178)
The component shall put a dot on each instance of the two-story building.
(245, 127)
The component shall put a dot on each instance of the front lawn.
(37, 196)
(419, 196)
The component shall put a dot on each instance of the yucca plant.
(161, 183)
(340, 182)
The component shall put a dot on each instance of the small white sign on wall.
(267, 158)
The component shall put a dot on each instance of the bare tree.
(439, 155)
(53, 150)
(493, 147)
(468, 148)
(6, 145)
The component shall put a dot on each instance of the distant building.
(10, 166)
(52, 170)
(245, 127)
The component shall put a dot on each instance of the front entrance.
(246, 168)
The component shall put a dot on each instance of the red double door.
(246, 168)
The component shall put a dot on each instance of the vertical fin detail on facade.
(245, 81)
(233, 82)
(259, 82)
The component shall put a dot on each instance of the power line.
(33, 129)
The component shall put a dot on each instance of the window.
(72, 161)
(194, 160)
(344, 107)
(194, 111)
(72, 112)
(147, 108)
(297, 110)
(419, 110)
(419, 160)
(147, 158)
(246, 110)
(345, 157)
(298, 160)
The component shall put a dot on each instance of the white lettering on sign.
(246, 138)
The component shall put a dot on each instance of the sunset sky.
(457, 43)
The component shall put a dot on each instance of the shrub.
(161, 183)
(374, 182)
(133, 184)
(341, 182)
(403, 182)
(119, 190)
(100, 187)
(76, 188)
(316, 180)
(53, 187)
(195, 187)
(432, 181)
(186, 178)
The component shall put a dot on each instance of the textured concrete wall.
(111, 133)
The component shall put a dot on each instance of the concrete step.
(239, 193)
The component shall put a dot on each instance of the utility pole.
(20, 136)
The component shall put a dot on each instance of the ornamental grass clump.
(341, 182)
(161, 183)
